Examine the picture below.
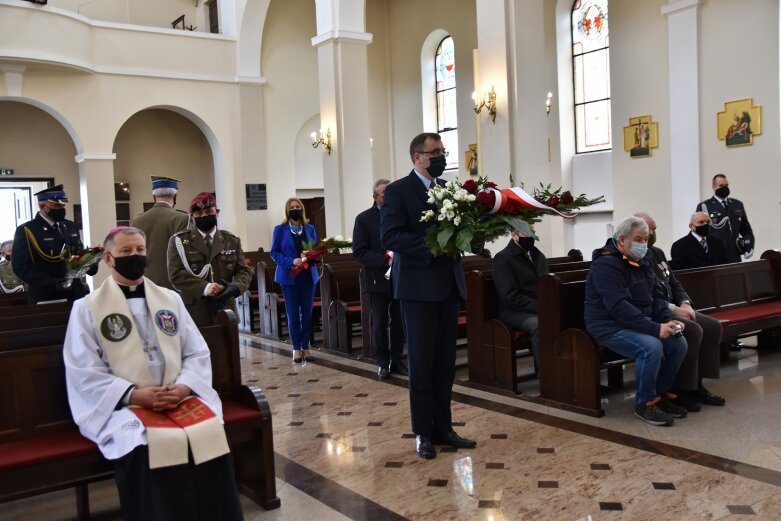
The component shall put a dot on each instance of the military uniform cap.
(202, 201)
(165, 182)
(55, 194)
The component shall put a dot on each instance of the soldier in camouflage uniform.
(206, 265)
(160, 223)
(9, 282)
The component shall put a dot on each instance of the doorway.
(16, 203)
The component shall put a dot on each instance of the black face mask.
(57, 214)
(130, 266)
(437, 166)
(527, 243)
(703, 230)
(722, 191)
(295, 214)
(206, 223)
(651, 239)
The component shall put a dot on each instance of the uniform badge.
(185, 241)
(167, 322)
(116, 327)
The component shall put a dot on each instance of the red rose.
(490, 184)
(470, 186)
(512, 207)
(566, 197)
(553, 201)
(487, 199)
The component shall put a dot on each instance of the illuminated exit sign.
(6, 171)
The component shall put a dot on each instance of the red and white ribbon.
(520, 196)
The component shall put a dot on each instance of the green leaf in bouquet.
(308, 245)
(444, 235)
(517, 223)
(464, 239)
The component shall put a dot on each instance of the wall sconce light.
(487, 100)
(547, 103)
(323, 138)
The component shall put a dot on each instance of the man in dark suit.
(160, 223)
(429, 289)
(387, 334)
(702, 333)
(41, 247)
(729, 222)
(517, 270)
(697, 249)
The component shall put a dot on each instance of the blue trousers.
(298, 307)
(656, 360)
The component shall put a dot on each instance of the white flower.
(450, 216)
(441, 217)
(439, 194)
(339, 238)
(430, 199)
(457, 220)
(471, 198)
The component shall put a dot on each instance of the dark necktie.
(704, 245)
(208, 240)
(60, 230)
(726, 206)
(433, 184)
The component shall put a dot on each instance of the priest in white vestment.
(138, 372)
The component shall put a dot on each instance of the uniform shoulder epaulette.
(181, 211)
(225, 232)
(183, 232)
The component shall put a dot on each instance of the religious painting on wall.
(739, 122)
(641, 136)
(470, 159)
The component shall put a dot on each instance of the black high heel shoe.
(308, 356)
(297, 360)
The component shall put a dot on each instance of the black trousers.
(431, 329)
(205, 492)
(387, 329)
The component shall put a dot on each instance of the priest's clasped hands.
(159, 398)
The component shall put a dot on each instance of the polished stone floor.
(345, 451)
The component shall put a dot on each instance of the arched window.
(445, 82)
(591, 75)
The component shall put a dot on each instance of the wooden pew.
(745, 297)
(570, 359)
(9, 323)
(248, 303)
(340, 298)
(8, 300)
(41, 449)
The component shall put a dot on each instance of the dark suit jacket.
(416, 274)
(666, 278)
(727, 226)
(516, 278)
(368, 250)
(687, 252)
(43, 275)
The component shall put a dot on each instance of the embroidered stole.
(168, 432)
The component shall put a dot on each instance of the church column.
(344, 107)
(98, 205)
(683, 67)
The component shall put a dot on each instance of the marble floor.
(345, 451)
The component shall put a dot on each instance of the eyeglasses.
(435, 153)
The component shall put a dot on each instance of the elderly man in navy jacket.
(625, 311)
(387, 334)
(429, 289)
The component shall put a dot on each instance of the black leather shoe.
(684, 399)
(737, 345)
(454, 440)
(399, 368)
(703, 395)
(383, 373)
(424, 447)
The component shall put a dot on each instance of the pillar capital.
(342, 36)
(676, 6)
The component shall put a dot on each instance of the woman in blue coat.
(298, 290)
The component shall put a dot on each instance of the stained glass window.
(447, 117)
(591, 75)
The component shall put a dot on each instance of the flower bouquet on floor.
(467, 215)
(79, 264)
(314, 252)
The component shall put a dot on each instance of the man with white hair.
(160, 223)
(625, 311)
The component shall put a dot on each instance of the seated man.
(697, 249)
(517, 270)
(625, 312)
(702, 333)
(9, 282)
(136, 369)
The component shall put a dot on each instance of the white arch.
(250, 39)
(53, 113)
(427, 81)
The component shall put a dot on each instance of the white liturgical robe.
(94, 392)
